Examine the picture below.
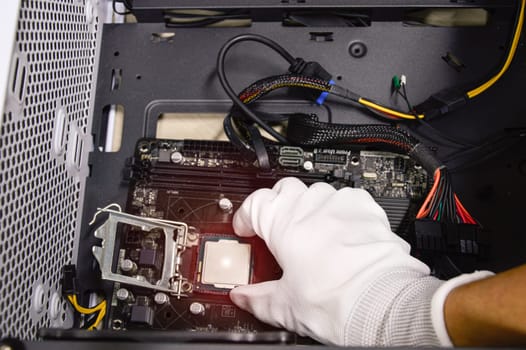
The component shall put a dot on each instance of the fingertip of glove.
(263, 300)
(358, 192)
(239, 298)
(364, 200)
(244, 222)
(289, 184)
(322, 186)
(246, 296)
(241, 224)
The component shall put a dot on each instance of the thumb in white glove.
(347, 279)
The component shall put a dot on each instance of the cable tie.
(323, 96)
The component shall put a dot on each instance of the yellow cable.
(82, 309)
(390, 111)
(101, 308)
(100, 316)
(513, 48)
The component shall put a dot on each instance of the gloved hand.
(347, 279)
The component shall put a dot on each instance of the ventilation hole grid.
(38, 200)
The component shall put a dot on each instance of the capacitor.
(124, 295)
(197, 308)
(307, 165)
(225, 204)
(128, 266)
(176, 157)
(161, 298)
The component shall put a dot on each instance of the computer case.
(60, 82)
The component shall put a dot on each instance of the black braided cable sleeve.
(307, 131)
(264, 86)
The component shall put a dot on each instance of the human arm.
(347, 279)
(490, 311)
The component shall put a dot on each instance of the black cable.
(259, 147)
(425, 124)
(406, 99)
(265, 86)
(488, 149)
(126, 6)
(228, 88)
(304, 130)
(443, 137)
(437, 198)
(233, 136)
(452, 206)
(445, 199)
(90, 319)
(256, 147)
(308, 131)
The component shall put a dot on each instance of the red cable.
(424, 210)
(460, 208)
(461, 214)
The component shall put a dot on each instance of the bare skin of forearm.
(488, 312)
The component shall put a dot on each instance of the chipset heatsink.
(226, 263)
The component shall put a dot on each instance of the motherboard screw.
(123, 295)
(176, 157)
(197, 308)
(161, 298)
(225, 204)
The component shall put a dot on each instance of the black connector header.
(442, 102)
(445, 237)
(69, 280)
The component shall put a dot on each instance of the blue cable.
(323, 96)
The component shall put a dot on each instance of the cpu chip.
(226, 263)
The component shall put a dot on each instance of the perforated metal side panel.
(42, 142)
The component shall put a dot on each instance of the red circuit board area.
(200, 210)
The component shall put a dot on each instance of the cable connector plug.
(442, 102)
(311, 69)
(69, 280)
(449, 237)
(315, 70)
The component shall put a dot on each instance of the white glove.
(347, 279)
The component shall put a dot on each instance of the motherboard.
(195, 187)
